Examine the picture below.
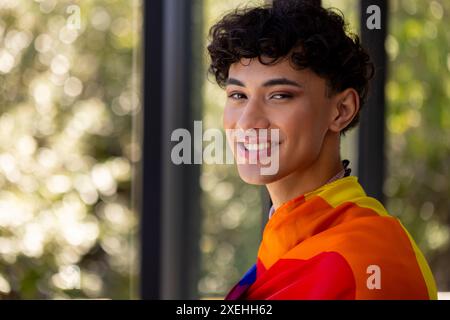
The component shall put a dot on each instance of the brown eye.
(237, 96)
(281, 96)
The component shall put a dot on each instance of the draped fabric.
(336, 243)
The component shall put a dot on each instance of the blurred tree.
(418, 124)
(68, 95)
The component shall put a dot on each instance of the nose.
(253, 116)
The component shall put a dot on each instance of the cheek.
(297, 123)
(304, 131)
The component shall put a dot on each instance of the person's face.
(277, 97)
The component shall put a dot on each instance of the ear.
(345, 108)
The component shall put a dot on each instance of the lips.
(257, 146)
(253, 153)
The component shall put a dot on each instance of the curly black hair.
(312, 36)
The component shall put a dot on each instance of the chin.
(251, 174)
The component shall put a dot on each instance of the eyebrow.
(268, 83)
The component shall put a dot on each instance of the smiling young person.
(292, 66)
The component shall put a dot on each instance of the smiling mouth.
(256, 151)
(256, 146)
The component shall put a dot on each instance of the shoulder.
(385, 261)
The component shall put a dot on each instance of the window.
(69, 77)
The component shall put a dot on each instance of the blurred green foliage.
(67, 99)
(418, 125)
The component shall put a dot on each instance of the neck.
(304, 180)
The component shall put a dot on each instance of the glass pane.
(232, 209)
(68, 94)
(418, 127)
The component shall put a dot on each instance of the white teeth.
(256, 146)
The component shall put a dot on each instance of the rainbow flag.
(336, 243)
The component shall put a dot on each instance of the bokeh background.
(70, 101)
(67, 99)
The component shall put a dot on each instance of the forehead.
(252, 70)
